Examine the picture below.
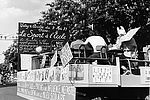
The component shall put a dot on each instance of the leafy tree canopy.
(77, 17)
(105, 15)
(11, 55)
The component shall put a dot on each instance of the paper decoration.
(26, 61)
(66, 54)
(43, 61)
(76, 72)
(65, 74)
(102, 74)
(54, 59)
(32, 35)
(145, 75)
(47, 90)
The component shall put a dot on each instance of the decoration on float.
(145, 75)
(58, 83)
(32, 35)
(54, 59)
(26, 61)
(46, 91)
(47, 83)
(76, 72)
(65, 54)
(102, 74)
(43, 61)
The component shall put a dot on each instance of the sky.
(14, 11)
(3, 47)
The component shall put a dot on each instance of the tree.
(76, 16)
(104, 15)
(11, 55)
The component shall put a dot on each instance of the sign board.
(43, 61)
(104, 74)
(54, 59)
(65, 54)
(45, 84)
(32, 35)
(52, 74)
(26, 61)
(145, 75)
(78, 73)
(94, 75)
(58, 83)
(46, 91)
(141, 80)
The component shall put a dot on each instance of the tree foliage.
(77, 17)
(11, 55)
(105, 15)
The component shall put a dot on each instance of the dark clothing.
(88, 49)
(131, 44)
(132, 47)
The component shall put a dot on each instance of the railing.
(133, 60)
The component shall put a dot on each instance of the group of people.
(94, 44)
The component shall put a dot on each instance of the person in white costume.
(96, 42)
(127, 43)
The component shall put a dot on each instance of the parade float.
(58, 75)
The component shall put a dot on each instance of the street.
(9, 93)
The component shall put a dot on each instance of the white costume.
(126, 41)
(126, 36)
(95, 41)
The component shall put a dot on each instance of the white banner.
(46, 91)
(26, 61)
(145, 75)
(43, 61)
(54, 59)
(66, 54)
(102, 74)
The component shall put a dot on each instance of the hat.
(121, 30)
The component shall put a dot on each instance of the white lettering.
(57, 36)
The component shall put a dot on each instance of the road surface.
(9, 93)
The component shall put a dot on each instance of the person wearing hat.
(127, 43)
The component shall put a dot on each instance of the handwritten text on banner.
(47, 90)
(66, 54)
(102, 74)
(32, 35)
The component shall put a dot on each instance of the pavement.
(9, 92)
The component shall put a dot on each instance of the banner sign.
(46, 84)
(65, 54)
(52, 74)
(78, 73)
(26, 61)
(54, 59)
(102, 74)
(46, 91)
(32, 35)
(58, 83)
(43, 61)
(145, 75)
